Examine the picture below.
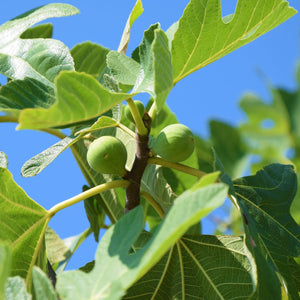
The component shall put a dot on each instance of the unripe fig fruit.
(107, 155)
(140, 107)
(174, 143)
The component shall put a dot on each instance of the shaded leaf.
(43, 288)
(228, 143)
(198, 267)
(57, 251)
(15, 289)
(43, 31)
(154, 183)
(115, 270)
(94, 213)
(28, 93)
(135, 13)
(23, 223)
(267, 131)
(5, 261)
(203, 36)
(71, 243)
(80, 97)
(89, 58)
(265, 201)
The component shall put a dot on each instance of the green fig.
(140, 107)
(174, 143)
(107, 155)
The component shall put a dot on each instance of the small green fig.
(107, 155)
(140, 107)
(174, 143)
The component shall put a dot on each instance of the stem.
(153, 203)
(12, 119)
(140, 126)
(152, 111)
(89, 193)
(136, 173)
(126, 129)
(176, 166)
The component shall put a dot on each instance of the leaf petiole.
(176, 166)
(126, 129)
(89, 193)
(140, 126)
(153, 203)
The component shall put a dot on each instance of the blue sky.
(212, 92)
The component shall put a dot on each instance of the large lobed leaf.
(115, 270)
(80, 97)
(150, 70)
(273, 235)
(203, 36)
(198, 267)
(23, 223)
(39, 59)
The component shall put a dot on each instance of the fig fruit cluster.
(174, 143)
(140, 107)
(107, 155)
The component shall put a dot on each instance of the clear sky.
(212, 92)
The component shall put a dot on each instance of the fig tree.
(140, 107)
(107, 155)
(174, 143)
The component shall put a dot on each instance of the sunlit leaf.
(203, 36)
(23, 223)
(39, 162)
(135, 13)
(3, 160)
(80, 97)
(123, 68)
(156, 74)
(40, 59)
(89, 58)
(15, 289)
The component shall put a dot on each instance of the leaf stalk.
(89, 193)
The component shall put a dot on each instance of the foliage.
(50, 88)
